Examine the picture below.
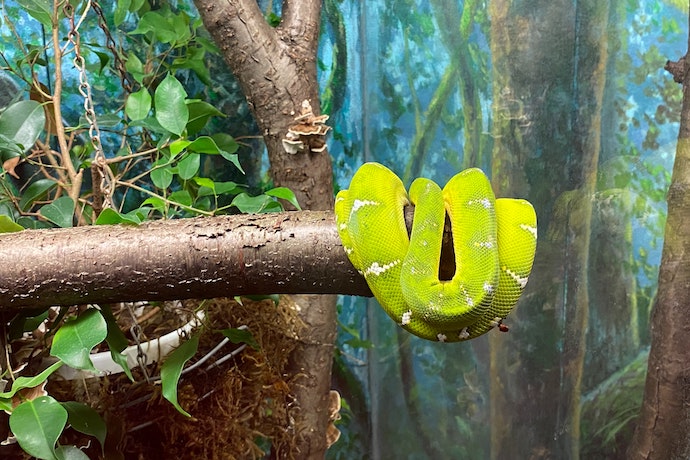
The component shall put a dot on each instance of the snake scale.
(494, 241)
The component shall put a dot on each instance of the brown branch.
(176, 259)
(284, 253)
(677, 69)
(662, 426)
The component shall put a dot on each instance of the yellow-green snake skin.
(494, 241)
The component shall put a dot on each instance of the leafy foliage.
(145, 150)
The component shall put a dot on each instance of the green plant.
(141, 156)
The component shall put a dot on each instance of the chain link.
(102, 175)
(136, 332)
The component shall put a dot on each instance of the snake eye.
(503, 328)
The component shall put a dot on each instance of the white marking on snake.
(488, 287)
(486, 245)
(361, 203)
(441, 337)
(521, 280)
(464, 334)
(377, 269)
(496, 321)
(530, 228)
(406, 318)
(342, 226)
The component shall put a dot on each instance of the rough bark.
(664, 422)
(291, 252)
(276, 68)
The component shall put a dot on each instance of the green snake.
(493, 240)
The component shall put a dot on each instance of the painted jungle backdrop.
(564, 103)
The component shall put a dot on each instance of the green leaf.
(134, 66)
(226, 142)
(74, 340)
(138, 104)
(70, 453)
(7, 225)
(181, 197)
(103, 59)
(208, 187)
(41, 10)
(8, 149)
(36, 191)
(28, 222)
(199, 114)
(116, 340)
(232, 158)
(111, 217)
(26, 321)
(205, 182)
(121, 10)
(255, 204)
(273, 19)
(165, 29)
(157, 203)
(178, 145)
(138, 5)
(161, 174)
(171, 111)
(29, 382)
(23, 122)
(172, 369)
(284, 193)
(37, 424)
(241, 336)
(188, 167)
(86, 420)
(139, 214)
(204, 144)
(59, 212)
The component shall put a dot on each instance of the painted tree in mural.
(571, 142)
(662, 427)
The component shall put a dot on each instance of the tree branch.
(280, 253)
(295, 252)
(300, 24)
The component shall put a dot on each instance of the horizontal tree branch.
(280, 253)
(291, 252)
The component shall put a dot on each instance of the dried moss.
(239, 408)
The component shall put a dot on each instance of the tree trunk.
(276, 68)
(664, 422)
(562, 122)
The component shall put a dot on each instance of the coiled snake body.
(494, 241)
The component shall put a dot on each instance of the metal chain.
(136, 332)
(103, 172)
